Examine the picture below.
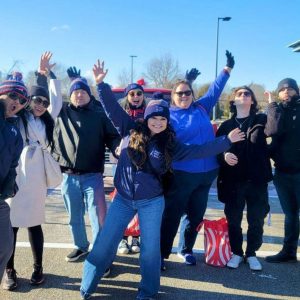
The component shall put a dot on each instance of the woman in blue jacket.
(187, 190)
(147, 151)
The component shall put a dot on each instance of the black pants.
(187, 193)
(256, 198)
(36, 239)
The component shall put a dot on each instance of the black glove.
(230, 60)
(73, 73)
(192, 75)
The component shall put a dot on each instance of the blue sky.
(79, 32)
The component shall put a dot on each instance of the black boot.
(37, 276)
(10, 280)
(281, 257)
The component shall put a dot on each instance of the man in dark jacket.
(82, 131)
(285, 151)
(11, 145)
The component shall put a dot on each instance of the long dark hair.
(139, 141)
(253, 107)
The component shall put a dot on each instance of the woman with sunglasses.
(245, 171)
(28, 207)
(187, 190)
(148, 149)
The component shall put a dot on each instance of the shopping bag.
(133, 228)
(216, 242)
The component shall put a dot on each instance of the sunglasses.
(138, 93)
(246, 93)
(15, 97)
(184, 93)
(40, 101)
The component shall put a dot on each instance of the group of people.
(168, 157)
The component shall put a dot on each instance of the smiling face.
(182, 96)
(39, 105)
(157, 124)
(12, 104)
(135, 97)
(80, 98)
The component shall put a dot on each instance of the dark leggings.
(36, 239)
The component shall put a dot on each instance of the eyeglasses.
(14, 96)
(184, 93)
(246, 93)
(138, 93)
(40, 101)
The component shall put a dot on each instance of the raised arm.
(209, 100)
(114, 111)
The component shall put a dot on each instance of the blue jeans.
(288, 190)
(105, 247)
(83, 193)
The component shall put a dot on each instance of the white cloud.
(61, 28)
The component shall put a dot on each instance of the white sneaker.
(123, 247)
(234, 261)
(254, 264)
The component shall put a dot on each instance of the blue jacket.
(11, 145)
(193, 126)
(145, 183)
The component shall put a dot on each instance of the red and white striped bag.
(216, 242)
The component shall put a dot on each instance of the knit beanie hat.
(157, 108)
(14, 84)
(80, 83)
(37, 90)
(158, 96)
(133, 86)
(288, 83)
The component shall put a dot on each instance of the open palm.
(98, 71)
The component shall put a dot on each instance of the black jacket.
(285, 131)
(80, 137)
(254, 163)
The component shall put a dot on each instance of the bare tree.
(124, 78)
(163, 71)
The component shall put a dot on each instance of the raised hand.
(45, 66)
(192, 75)
(236, 135)
(268, 95)
(230, 60)
(230, 158)
(73, 73)
(98, 71)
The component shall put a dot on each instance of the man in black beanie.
(285, 151)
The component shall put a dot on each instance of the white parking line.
(174, 249)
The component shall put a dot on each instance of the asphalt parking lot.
(276, 281)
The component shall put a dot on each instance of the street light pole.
(132, 57)
(217, 57)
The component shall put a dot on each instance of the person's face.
(80, 98)
(243, 98)
(157, 124)
(286, 94)
(13, 104)
(182, 96)
(135, 97)
(39, 105)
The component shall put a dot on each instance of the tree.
(124, 78)
(163, 71)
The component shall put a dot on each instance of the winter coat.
(145, 183)
(28, 206)
(193, 126)
(254, 162)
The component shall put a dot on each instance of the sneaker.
(106, 273)
(123, 247)
(281, 257)
(75, 255)
(37, 276)
(163, 265)
(188, 258)
(10, 280)
(254, 264)
(135, 245)
(234, 261)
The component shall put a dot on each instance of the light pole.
(132, 57)
(217, 54)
